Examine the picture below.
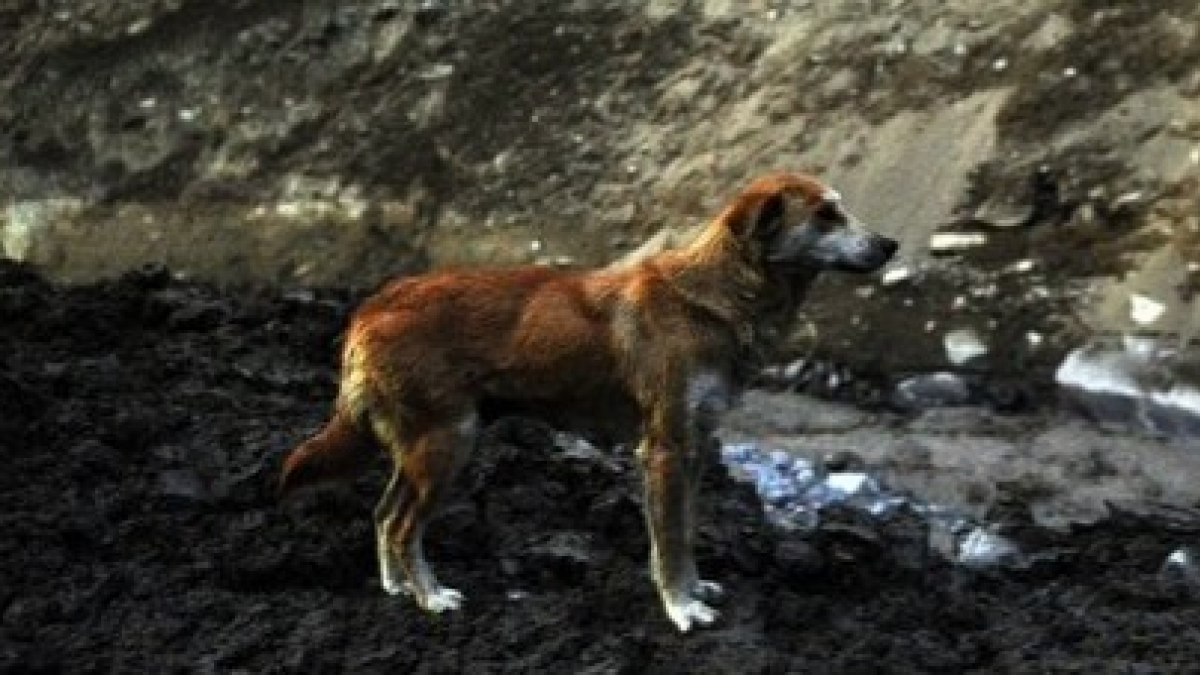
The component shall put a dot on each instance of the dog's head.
(794, 223)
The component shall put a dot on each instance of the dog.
(658, 350)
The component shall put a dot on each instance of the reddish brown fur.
(424, 353)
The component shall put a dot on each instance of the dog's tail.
(337, 452)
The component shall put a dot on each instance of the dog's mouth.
(873, 257)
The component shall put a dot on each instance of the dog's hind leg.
(391, 576)
(430, 463)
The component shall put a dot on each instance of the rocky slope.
(325, 142)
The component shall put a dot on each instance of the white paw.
(690, 613)
(707, 591)
(443, 599)
(393, 586)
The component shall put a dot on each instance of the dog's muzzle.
(873, 254)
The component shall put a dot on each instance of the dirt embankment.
(335, 143)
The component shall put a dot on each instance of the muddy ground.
(143, 421)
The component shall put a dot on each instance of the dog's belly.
(608, 420)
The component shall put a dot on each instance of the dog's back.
(526, 341)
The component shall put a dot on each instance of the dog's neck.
(714, 276)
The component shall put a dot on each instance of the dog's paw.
(688, 613)
(442, 599)
(707, 591)
(393, 586)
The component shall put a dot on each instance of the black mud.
(143, 421)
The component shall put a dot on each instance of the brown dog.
(656, 350)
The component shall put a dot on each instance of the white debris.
(1034, 339)
(574, 446)
(795, 491)
(986, 291)
(947, 242)
(999, 64)
(1129, 198)
(138, 27)
(437, 71)
(963, 345)
(502, 160)
(983, 548)
(1182, 566)
(1181, 557)
(1021, 266)
(1144, 309)
(850, 482)
(896, 275)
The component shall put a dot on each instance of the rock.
(964, 346)
(982, 548)
(1144, 309)
(184, 487)
(564, 554)
(1181, 570)
(933, 390)
(896, 275)
(798, 557)
(1135, 383)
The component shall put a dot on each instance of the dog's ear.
(770, 217)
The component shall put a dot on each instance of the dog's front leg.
(699, 458)
(668, 462)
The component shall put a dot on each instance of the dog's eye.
(770, 217)
(829, 213)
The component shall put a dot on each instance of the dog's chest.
(709, 393)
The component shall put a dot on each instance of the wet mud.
(143, 421)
